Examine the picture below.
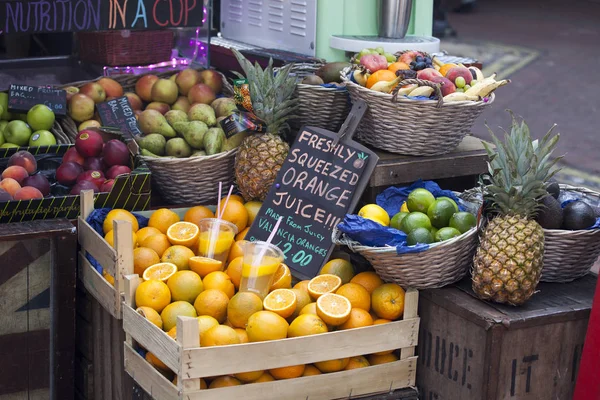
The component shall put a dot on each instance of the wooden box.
(190, 362)
(37, 309)
(470, 349)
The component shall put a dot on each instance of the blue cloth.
(391, 199)
(96, 219)
(595, 226)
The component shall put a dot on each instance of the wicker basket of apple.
(417, 105)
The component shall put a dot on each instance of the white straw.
(226, 201)
(256, 262)
(219, 200)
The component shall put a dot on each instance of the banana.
(360, 76)
(422, 91)
(436, 62)
(478, 74)
(406, 90)
(459, 96)
(386, 86)
(486, 87)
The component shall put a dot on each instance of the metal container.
(394, 17)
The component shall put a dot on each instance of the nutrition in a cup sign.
(319, 182)
(117, 113)
(22, 97)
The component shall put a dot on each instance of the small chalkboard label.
(22, 97)
(320, 181)
(117, 113)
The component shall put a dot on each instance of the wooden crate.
(37, 309)
(190, 362)
(470, 349)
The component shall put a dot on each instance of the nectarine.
(10, 185)
(16, 172)
(28, 193)
(23, 159)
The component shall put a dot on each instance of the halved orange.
(160, 272)
(321, 284)
(333, 309)
(183, 233)
(282, 278)
(204, 265)
(281, 301)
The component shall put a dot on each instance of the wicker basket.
(322, 107)
(125, 47)
(442, 264)
(569, 255)
(414, 127)
(193, 180)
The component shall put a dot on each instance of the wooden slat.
(188, 334)
(98, 349)
(147, 377)
(411, 308)
(98, 248)
(97, 286)
(210, 361)
(152, 338)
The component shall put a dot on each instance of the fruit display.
(26, 130)
(382, 72)
(509, 259)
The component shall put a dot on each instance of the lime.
(415, 220)
(419, 200)
(440, 212)
(446, 233)
(419, 235)
(433, 231)
(463, 221)
(450, 200)
(397, 219)
(375, 213)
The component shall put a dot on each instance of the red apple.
(107, 185)
(116, 170)
(97, 177)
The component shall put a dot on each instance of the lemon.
(404, 208)
(375, 213)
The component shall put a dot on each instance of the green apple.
(4, 103)
(2, 127)
(42, 138)
(8, 145)
(17, 132)
(40, 117)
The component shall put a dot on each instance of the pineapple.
(508, 263)
(261, 155)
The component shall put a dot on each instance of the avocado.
(330, 72)
(312, 80)
(578, 215)
(553, 189)
(550, 214)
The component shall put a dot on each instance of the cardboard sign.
(27, 16)
(117, 113)
(22, 97)
(320, 181)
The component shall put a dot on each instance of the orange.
(111, 240)
(160, 271)
(388, 301)
(145, 232)
(446, 67)
(219, 335)
(293, 371)
(143, 257)
(242, 234)
(159, 243)
(381, 75)
(281, 301)
(321, 284)
(236, 213)
(178, 255)
(151, 315)
(156, 363)
(339, 267)
(109, 278)
(183, 233)
(195, 214)
(242, 335)
(282, 278)
(266, 325)
(311, 370)
(359, 296)
(236, 250)
(185, 286)
(369, 280)
(358, 319)
(386, 358)
(224, 381)
(206, 322)
(253, 207)
(332, 365)
(121, 215)
(357, 362)
(379, 322)
(221, 281)
(241, 307)
(213, 303)
(310, 308)
(176, 309)
(172, 333)
(204, 265)
(333, 309)
(302, 299)
(248, 377)
(398, 65)
(302, 285)
(162, 219)
(266, 377)
(234, 270)
(305, 325)
(235, 197)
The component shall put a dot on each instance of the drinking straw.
(258, 259)
(226, 201)
(219, 200)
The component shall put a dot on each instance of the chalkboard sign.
(27, 16)
(117, 113)
(22, 97)
(319, 182)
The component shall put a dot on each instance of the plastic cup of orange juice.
(216, 238)
(261, 261)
